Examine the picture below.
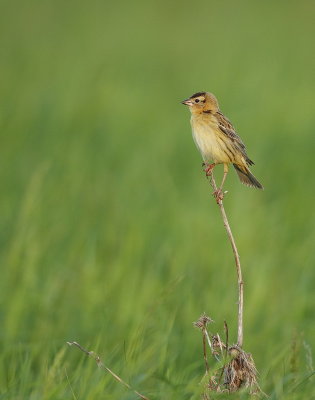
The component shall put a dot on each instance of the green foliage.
(109, 235)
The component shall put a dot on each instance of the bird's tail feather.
(246, 177)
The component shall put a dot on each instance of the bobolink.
(217, 140)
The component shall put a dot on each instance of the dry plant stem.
(102, 366)
(210, 345)
(237, 263)
(226, 329)
(204, 342)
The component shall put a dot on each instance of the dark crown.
(198, 94)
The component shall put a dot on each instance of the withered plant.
(234, 369)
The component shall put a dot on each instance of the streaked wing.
(227, 128)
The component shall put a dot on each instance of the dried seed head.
(203, 321)
(217, 342)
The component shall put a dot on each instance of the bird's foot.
(208, 168)
(218, 194)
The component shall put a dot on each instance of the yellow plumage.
(216, 139)
(208, 139)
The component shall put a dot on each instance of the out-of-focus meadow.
(109, 235)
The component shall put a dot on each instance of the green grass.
(108, 232)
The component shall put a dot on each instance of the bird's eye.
(197, 101)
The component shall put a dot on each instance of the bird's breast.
(208, 139)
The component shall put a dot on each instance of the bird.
(217, 140)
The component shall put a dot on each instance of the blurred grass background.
(109, 235)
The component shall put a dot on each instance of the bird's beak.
(187, 102)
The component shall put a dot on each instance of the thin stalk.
(237, 264)
(101, 365)
(204, 343)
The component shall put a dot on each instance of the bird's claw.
(208, 168)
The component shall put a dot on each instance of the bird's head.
(202, 102)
